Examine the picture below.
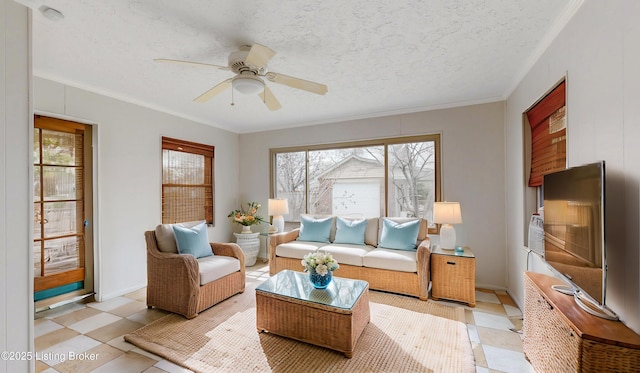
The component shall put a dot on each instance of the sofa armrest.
(279, 238)
(423, 258)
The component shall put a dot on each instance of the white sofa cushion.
(297, 249)
(394, 260)
(214, 267)
(347, 253)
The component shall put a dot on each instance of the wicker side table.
(453, 275)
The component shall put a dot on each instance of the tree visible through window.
(389, 177)
(187, 181)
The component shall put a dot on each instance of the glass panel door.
(59, 207)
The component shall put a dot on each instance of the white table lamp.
(447, 213)
(277, 208)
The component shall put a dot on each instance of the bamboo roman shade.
(187, 181)
(548, 135)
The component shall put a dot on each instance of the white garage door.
(360, 199)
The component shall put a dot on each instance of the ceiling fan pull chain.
(232, 103)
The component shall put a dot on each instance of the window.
(387, 177)
(545, 146)
(547, 119)
(187, 181)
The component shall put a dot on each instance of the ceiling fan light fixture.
(248, 84)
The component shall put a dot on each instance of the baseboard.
(101, 297)
(490, 287)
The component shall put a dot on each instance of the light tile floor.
(491, 324)
(94, 332)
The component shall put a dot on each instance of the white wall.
(598, 51)
(128, 177)
(16, 282)
(473, 169)
(127, 149)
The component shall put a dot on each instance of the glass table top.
(465, 252)
(341, 292)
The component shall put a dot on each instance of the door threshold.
(45, 307)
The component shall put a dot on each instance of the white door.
(356, 198)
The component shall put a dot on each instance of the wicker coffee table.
(289, 306)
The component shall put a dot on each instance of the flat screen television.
(574, 236)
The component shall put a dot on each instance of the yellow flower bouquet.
(247, 217)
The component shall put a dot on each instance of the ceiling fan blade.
(191, 63)
(298, 83)
(208, 95)
(259, 55)
(269, 99)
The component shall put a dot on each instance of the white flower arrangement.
(321, 263)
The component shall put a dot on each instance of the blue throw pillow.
(399, 236)
(350, 231)
(317, 230)
(194, 241)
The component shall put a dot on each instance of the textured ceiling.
(377, 57)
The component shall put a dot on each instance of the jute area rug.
(404, 335)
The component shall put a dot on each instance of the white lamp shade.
(277, 208)
(447, 213)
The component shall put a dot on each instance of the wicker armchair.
(173, 280)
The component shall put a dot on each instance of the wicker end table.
(453, 275)
(289, 306)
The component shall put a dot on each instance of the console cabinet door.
(548, 342)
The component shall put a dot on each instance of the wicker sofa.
(397, 271)
(182, 284)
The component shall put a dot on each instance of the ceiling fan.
(250, 66)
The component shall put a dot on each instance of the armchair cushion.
(194, 241)
(213, 267)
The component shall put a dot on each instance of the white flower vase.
(250, 245)
(246, 229)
